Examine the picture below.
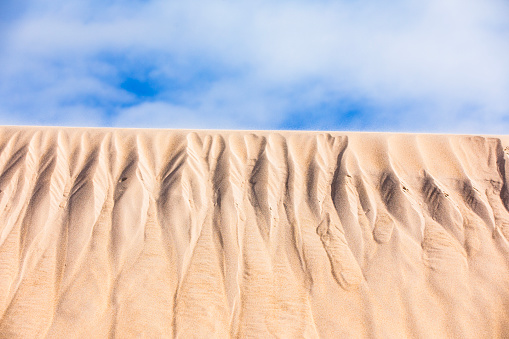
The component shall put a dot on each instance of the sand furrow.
(151, 233)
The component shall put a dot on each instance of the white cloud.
(410, 65)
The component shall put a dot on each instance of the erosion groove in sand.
(128, 233)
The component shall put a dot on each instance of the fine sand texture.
(208, 234)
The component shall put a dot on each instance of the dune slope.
(153, 233)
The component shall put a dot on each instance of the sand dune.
(153, 233)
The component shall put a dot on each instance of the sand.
(216, 234)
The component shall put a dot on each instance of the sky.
(439, 66)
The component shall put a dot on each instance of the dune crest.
(128, 233)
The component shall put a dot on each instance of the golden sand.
(217, 234)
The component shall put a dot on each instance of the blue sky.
(402, 65)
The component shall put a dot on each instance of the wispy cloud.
(400, 65)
